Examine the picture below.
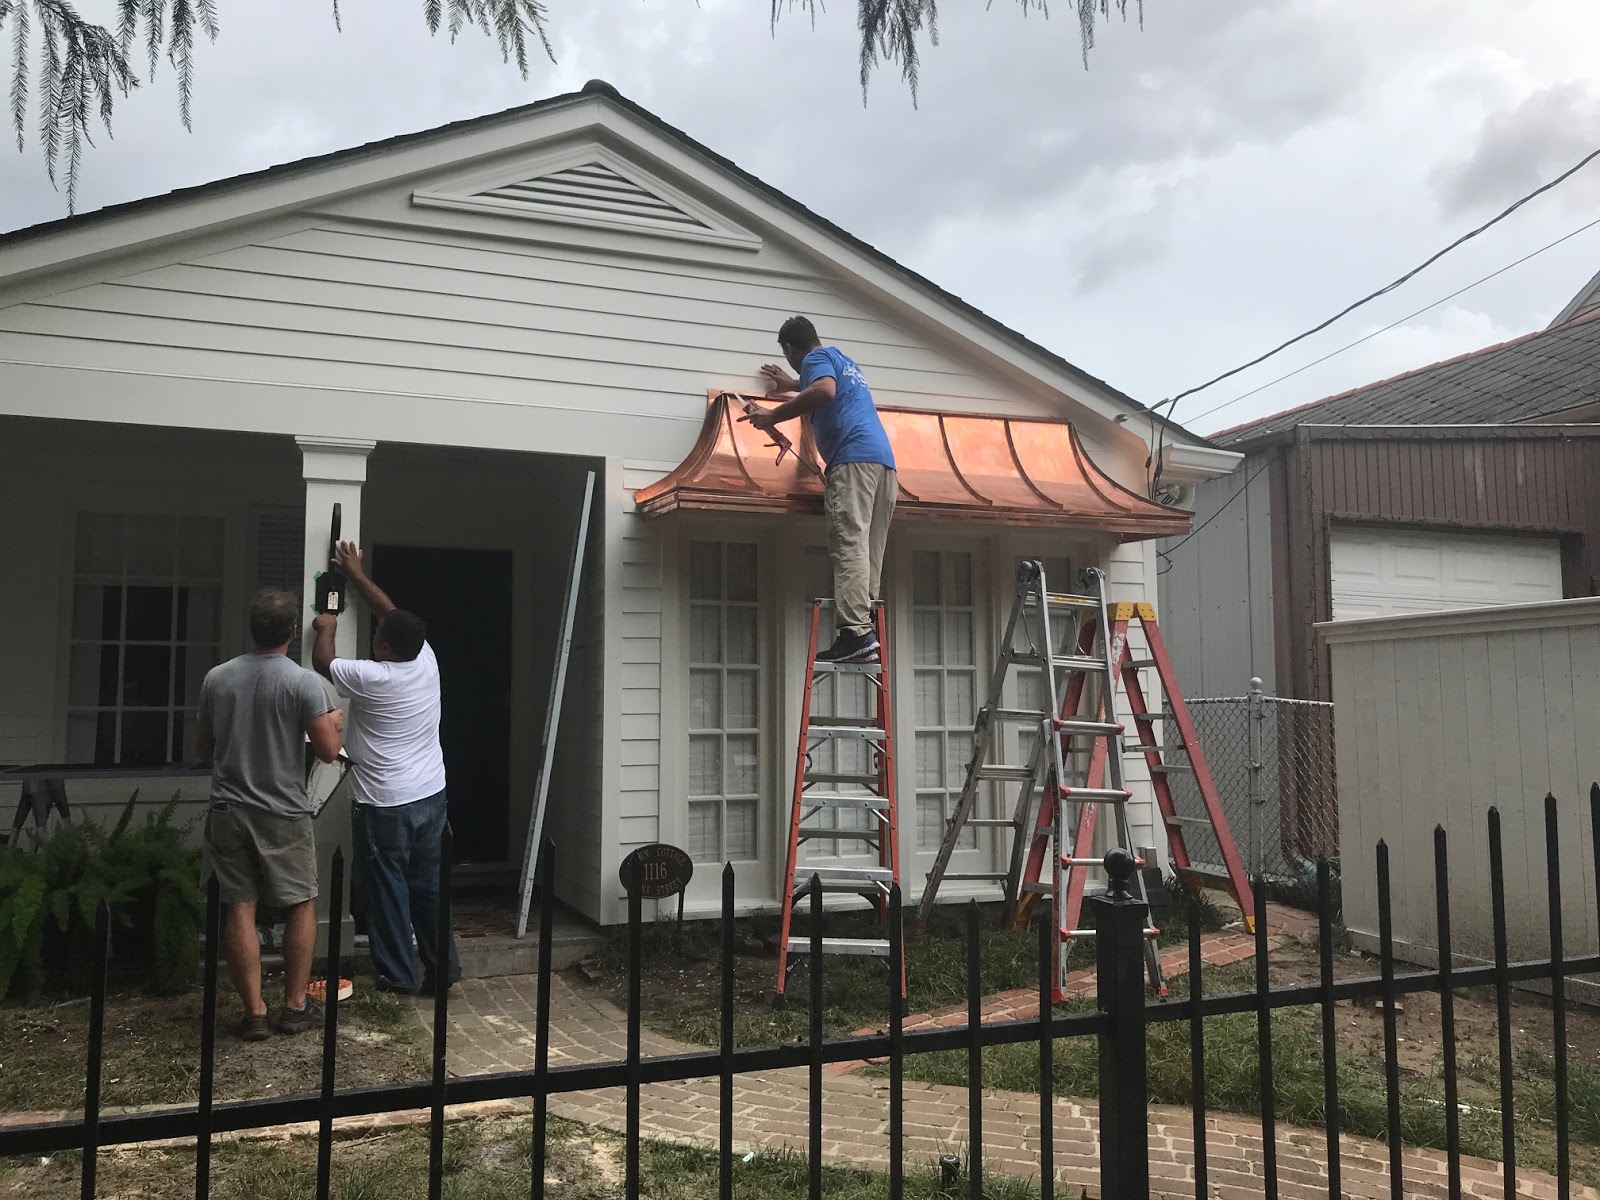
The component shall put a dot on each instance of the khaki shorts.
(260, 856)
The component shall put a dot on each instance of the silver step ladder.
(1068, 735)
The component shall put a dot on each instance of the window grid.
(724, 702)
(945, 681)
(146, 627)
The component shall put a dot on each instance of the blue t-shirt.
(847, 428)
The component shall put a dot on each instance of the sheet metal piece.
(951, 467)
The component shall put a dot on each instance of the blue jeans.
(399, 846)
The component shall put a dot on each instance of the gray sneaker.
(299, 1020)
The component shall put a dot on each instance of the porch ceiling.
(951, 467)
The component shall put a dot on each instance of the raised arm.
(349, 557)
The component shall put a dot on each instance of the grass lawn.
(484, 1160)
(152, 1052)
(680, 993)
(1233, 1082)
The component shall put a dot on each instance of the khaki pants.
(859, 502)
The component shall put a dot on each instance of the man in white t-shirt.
(398, 781)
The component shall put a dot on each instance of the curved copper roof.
(997, 470)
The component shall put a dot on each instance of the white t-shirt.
(392, 732)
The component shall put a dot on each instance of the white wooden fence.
(1437, 718)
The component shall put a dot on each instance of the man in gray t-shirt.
(256, 714)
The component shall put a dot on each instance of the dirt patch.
(152, 1052)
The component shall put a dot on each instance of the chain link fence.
(1272, 762)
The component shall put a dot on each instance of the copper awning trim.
(952, 466)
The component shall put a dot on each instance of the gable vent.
(590, 191)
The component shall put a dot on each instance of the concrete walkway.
(491, 1022)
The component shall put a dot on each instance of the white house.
(443, 333)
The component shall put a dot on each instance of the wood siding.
(1543, 482)
(1441, 717)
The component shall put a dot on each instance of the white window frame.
(180, 707)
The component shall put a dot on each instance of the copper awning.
(997, 470)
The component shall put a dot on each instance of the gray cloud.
(1520, 147)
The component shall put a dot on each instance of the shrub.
(50, 895)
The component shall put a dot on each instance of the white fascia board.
(1187, 463)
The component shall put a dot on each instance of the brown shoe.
(253, 1029)
(298, 1021)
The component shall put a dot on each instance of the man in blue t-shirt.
(861, 488)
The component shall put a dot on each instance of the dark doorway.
(465, 597)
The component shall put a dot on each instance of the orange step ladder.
(824, 792)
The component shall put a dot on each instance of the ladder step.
(850, 879)
(836, 800)
(1149, 932)
(989, 823)
(1078, 662)
(1138, 664)
(849, 722)
(983, 876)
(1171, 767)
(1084, 795)
(838, 668)
(1206, 876)
(870, 733)
(1033, 716)
(841, 777)
(865, 946)
(1037, 889)
(1144, 749)
(1068, 861)
(1068, 600)
(1001, 772)
(1175, 819)
(1098, 728)
(855, 835)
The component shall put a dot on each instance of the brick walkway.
(491, 1021)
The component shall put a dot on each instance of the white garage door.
(1386, 572)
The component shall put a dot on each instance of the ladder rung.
(876, 949)
(1170, 767)
(855, 835)
(1204, 875)
(1138, 664)
(1098, 728)
(836, 800)
(1181, 820)
(838, 668)
(1085, 795)
(1068, 600)
(869, 733)
(1149, 932)
(1034, 716)
(1001, 772)
(853, 877)
(984, 876)
(1143, 749)
(848, 722)
(1078, 662)
(1038, 889)
(841, 777)
(989, 823)
(1082, 862)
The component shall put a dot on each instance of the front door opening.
(465, 598)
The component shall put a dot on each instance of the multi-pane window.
(724, 702)
(838, 694)
(945, 678)
(145, 630)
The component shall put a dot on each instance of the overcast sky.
(1228, 176)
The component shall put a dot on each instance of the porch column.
(334, 470)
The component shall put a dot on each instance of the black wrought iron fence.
(1120, 1022)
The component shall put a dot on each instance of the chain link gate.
(1272, 760)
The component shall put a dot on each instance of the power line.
(1394, 324)
(1387, 288)
(1244, 487)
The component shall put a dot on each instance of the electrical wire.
(1389, 287)
(1244, 487)
(1393, 324)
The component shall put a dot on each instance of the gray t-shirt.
(257, 706)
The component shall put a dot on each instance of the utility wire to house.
(1172, 402)
(1394, 324)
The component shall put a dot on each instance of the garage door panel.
(1384, 572)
